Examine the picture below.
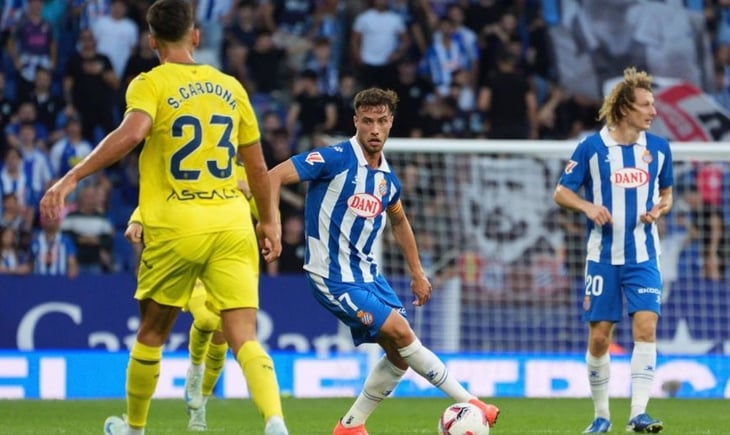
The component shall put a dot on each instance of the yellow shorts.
(227, 263)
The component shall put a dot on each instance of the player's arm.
(282, 174)
(268, 227)
(112, 148)
(403, 234)
(566, 198)
(133, 233)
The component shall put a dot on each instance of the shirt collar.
(361, 157)
(609, 142)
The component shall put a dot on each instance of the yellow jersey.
(240, 177)
(188, 179)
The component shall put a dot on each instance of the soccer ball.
(463, 419)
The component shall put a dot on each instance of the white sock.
(131, 431)
(427, 364)
(599, 373)
(643, 366)
(196, 369)
(380, 382)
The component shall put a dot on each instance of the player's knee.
(206, 322)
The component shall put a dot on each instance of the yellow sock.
(142, 373)
(258, 369)
(198, 346)
(214, 361)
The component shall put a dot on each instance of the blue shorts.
(606, 284)
(363, 306)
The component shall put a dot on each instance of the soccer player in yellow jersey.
(207, 344)
(195, 122)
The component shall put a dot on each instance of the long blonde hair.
(622, 96)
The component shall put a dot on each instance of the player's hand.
(133, 233)
(54, 200)
(599, 215)
(269, 235)
(421, 288)
(653, 214)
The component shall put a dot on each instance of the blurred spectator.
(321, 61)
(265, 62)
(379, 40)
(91, 231)
(343, 98)
(213, 16)
(496, 39)
(236, 64)
(31, 45)
(69, 149)
(52, 252)
(508, 102)
(244, 27)
(467, 37)
(35, 162)
(413, 91)
(291, 259)
(89, 86)
(290, 21)
(142, 60)
(13, 177)
(27, 115)
(48, 106)
(12, 260)
(419, 20)
(310, 111)
(446, 55)
(12, 214)
(116, 35)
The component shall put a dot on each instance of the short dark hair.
(170, 20)
(373, 97)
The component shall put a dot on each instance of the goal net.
(507, 263)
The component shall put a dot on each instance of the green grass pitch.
(394, 416)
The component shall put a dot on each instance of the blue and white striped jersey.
(344, 212)
(626, 180)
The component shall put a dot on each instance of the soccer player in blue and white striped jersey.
(351, 190)
(626, 176)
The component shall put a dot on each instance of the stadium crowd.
(462, 69)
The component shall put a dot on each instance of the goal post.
(507, 263)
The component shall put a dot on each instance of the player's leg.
(205, 322)
(396, 334)
(231, 277)
(643, 288)
(214, 362)
(164, 285)
(602, 307)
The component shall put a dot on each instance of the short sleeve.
(142, 96)
(248, 127)
(576, 169)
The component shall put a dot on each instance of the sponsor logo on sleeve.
(570, 165)
(314, 157)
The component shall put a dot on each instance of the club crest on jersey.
(365, 205)
(314, 157)
(365, 318)
(383, 188)
(570, 165)
(629, 178)
(646, 157)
